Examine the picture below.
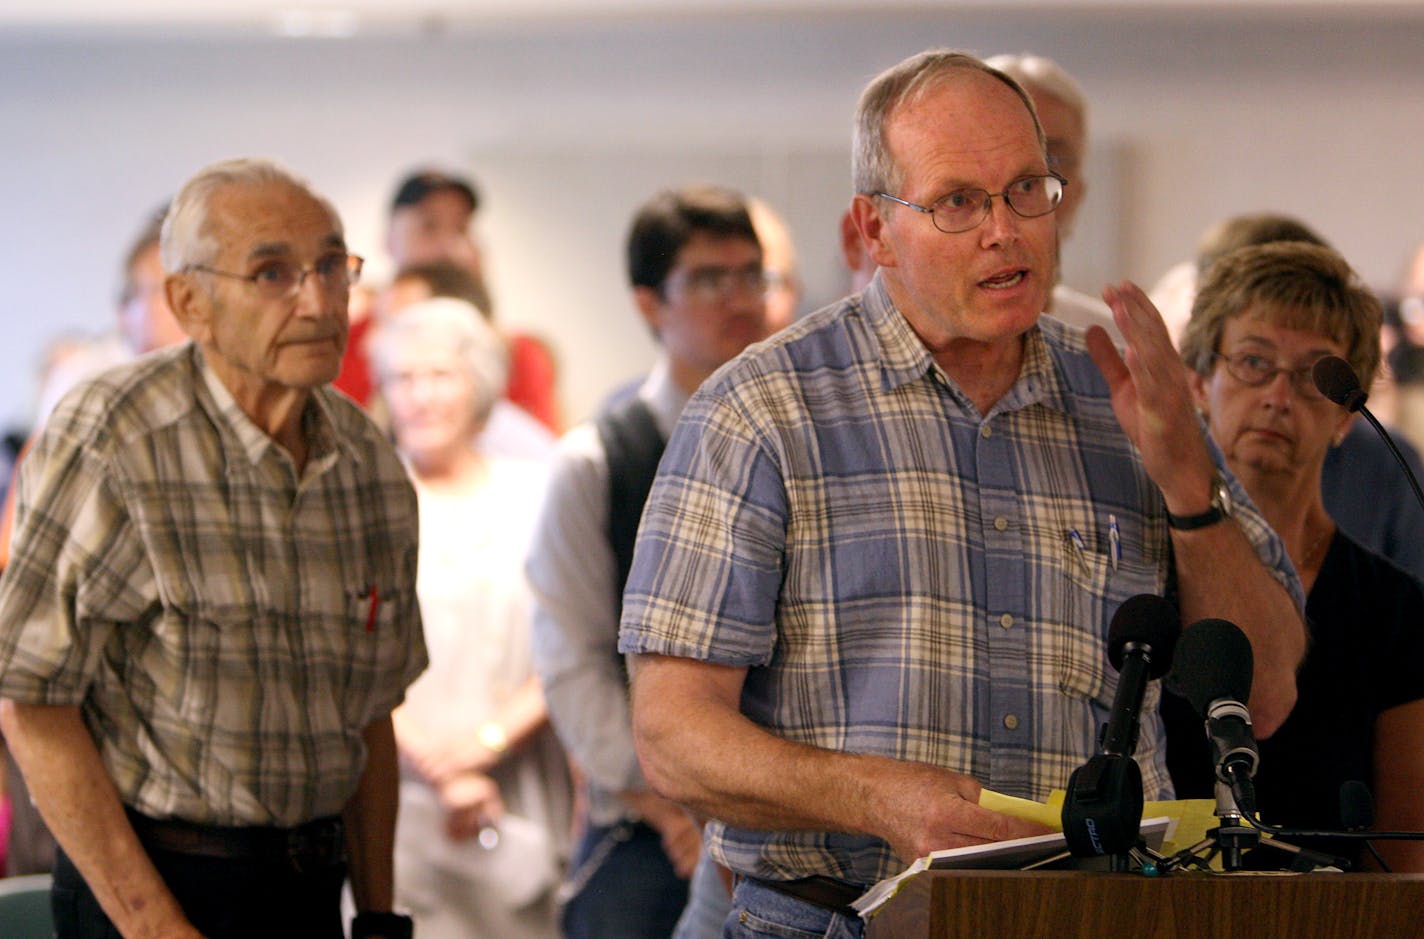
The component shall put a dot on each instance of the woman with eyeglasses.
(1262, 317)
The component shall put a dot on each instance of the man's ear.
(650, 305)
(871, 225)
(191, 307)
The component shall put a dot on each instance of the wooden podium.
(1069, 904)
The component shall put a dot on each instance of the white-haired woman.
(485, 795)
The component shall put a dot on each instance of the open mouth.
(1004, 281)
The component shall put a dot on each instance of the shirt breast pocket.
(377, 645)
(1101, 568)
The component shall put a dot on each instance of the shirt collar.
(904, 358)
(253, 442)
(663, 397)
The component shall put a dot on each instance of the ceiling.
(183, 19)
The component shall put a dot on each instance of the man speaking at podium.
(877, 567)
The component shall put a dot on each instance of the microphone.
(1213, 672)
(1141, 638)
(1357, 813)
(1337, 381)
(1102, 810)
(1357, 806)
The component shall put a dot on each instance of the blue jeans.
(759, 912)
(634, 893)
(707, 903)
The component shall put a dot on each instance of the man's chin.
(313, 364)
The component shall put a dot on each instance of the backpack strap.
(633, 445)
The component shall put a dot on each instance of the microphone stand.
(1236, 834)
(1399, 457)
(1336, 380)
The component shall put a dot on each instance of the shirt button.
(986, 431)
(1011, 721)
(1006, 620)
(1001, 523)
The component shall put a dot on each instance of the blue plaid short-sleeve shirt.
(901, 575)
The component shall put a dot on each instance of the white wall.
(568, 126)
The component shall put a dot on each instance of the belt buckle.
(315, 846)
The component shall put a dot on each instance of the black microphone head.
(1213, 662)
(1150, 620)
(1357, 806)
(1335, 379)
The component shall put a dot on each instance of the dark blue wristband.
(385, 925)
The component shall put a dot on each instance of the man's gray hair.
(873, 169)
(452, 324)
(186, 240)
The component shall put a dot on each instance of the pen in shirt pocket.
(1114, 541)
(1080, 547)
(373, 605)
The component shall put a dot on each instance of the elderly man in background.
(1063, 112)
(876, 570)
(209, 613)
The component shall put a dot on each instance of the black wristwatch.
(1219, 509)
(385, 925)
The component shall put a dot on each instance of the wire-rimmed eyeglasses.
(278, 279)
(964, 209)
(1251, 368)
(714, 282)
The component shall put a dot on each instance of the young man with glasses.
(878, 564)
(695, 265)
(209, 611)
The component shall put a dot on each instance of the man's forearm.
(370, 818)
(699, 750)
(712, 760)
(1220, 575)
(79, 803)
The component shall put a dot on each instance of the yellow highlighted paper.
(1191, 817)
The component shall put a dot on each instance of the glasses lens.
(335, 271)
(1033, 196)
(721, 281)
(276, 279)
(754, 281)
(961, 210)
(1304, 380)
(1256, 370)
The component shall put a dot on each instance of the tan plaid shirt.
(228, 629)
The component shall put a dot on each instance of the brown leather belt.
(307, 848)
(825, 892)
